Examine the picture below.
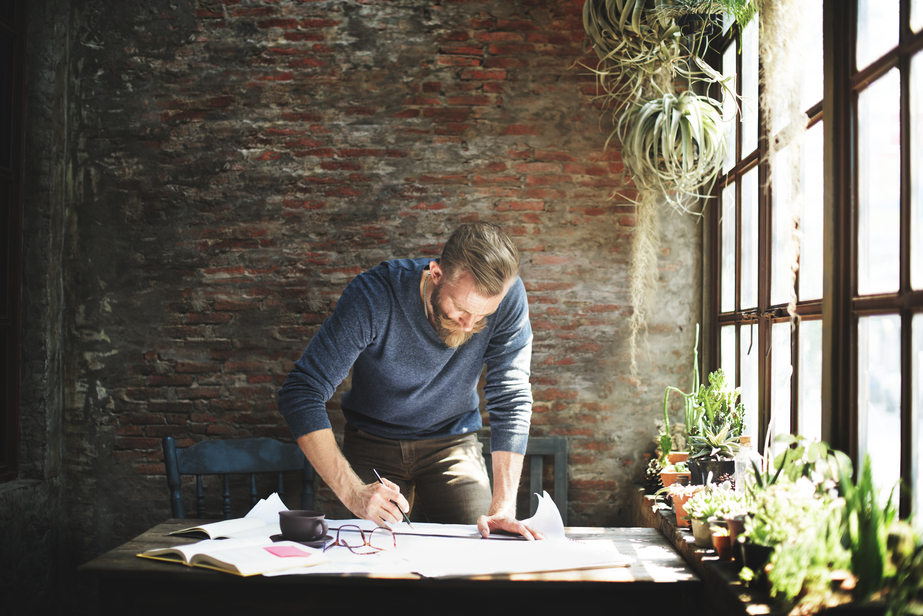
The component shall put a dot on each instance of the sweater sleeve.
(327, 360)
(507, 388)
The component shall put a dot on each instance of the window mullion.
(906, 315)
(839, 380)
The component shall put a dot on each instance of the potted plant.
(672, 463)
(716, 423)
(721, 539)
(707, 508)
(708, 410)
(734, 515)
(782, 513)
(680, 495)
(675, 473)
(815, 540)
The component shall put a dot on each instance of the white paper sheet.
(268, 509)
(547, 520)
(438, 550)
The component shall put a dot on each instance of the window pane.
(729, 108)
(749, 376)
(879, 372)
(810, 340)
(728, 361)
(917, 427)
(812, 81)
(782, 244)
(781, 378)
(811, 272)
(916, 178)
(749, 239)
(879, 186)
(878, 30)
(728, 246)
(916, 15)
(749, 82)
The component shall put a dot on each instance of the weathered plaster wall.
(232, 165)
(35, 577)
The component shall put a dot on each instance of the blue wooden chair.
(251, 456)
(536, 450)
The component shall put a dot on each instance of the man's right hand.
(381, 503)
(370, 501)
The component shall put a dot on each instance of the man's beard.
(447, 329)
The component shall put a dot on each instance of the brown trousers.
(446, 477)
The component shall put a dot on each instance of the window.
(12, 48)
(849, 368)
(886, 117)
(759, 347)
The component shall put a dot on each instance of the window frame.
(840, 307)
(765, 314)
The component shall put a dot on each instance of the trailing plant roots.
(644, 270)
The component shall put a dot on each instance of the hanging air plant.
(634, 50)
(742, 10)
(674, 145)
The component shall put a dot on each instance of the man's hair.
(487, 251)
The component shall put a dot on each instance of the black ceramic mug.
(302, 525)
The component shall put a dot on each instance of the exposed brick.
(277, 23)
(244, 162)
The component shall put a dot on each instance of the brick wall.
(234, 164)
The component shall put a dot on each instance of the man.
(417, 334)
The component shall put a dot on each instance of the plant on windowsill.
(783, 514)
(676, 437)
(717, 421)
(674, 473)
(680, 494)
(708, 507)
(885, 553)
(722, 541)
(830, 541)
(825, 540)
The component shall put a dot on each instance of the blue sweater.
(407, 384)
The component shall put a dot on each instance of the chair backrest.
(536, 450)
(231, 457)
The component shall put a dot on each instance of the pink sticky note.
(286, 551)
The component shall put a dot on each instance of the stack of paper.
(438, 550)
(430, 550)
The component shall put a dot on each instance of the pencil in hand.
(406, 519)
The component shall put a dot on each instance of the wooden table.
(138, 586)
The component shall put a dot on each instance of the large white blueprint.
(439, 550)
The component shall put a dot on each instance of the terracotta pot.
(679, 506)
(677, 456)
(735, 529)
(670, 477)
(722, 545)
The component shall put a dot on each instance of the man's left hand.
(488, 523)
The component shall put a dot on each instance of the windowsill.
(727, 594)
(18, 484)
